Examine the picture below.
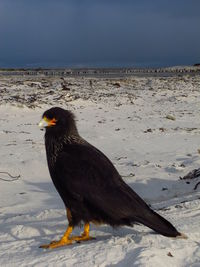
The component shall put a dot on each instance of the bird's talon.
(44, 246)
(56, 244)
(53, 242)
(81, 238)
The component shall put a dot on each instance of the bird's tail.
(160, 225)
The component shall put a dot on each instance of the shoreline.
(102, 72)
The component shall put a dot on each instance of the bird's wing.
(89, 176)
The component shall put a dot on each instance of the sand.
(148, 126)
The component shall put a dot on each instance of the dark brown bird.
(89, 185)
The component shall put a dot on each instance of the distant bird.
(89, 185)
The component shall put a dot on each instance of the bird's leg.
(65, 240)
(84, 236)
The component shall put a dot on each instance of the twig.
(196, 185)
(14, 178)
(129, 175)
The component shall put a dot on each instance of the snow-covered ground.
(148, 127)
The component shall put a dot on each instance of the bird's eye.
(53, 121)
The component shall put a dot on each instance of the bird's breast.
(53, 148)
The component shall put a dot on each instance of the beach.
(148, 125)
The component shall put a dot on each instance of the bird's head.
(58, 121)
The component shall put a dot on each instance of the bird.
(89, 185)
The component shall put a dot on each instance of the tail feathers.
(159, 224)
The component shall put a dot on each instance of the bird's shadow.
(54, 201)
(157, 191)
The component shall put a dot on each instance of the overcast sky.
(99, 33)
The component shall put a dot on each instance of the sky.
(103, 33)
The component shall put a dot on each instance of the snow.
(130, 124)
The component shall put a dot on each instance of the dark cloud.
(106, 32)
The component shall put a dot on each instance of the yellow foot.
(67, 240)
(85, 235)
(57, 244)
(81, 238)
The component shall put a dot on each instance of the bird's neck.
(54, 145)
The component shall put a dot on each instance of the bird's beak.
(45, 122)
